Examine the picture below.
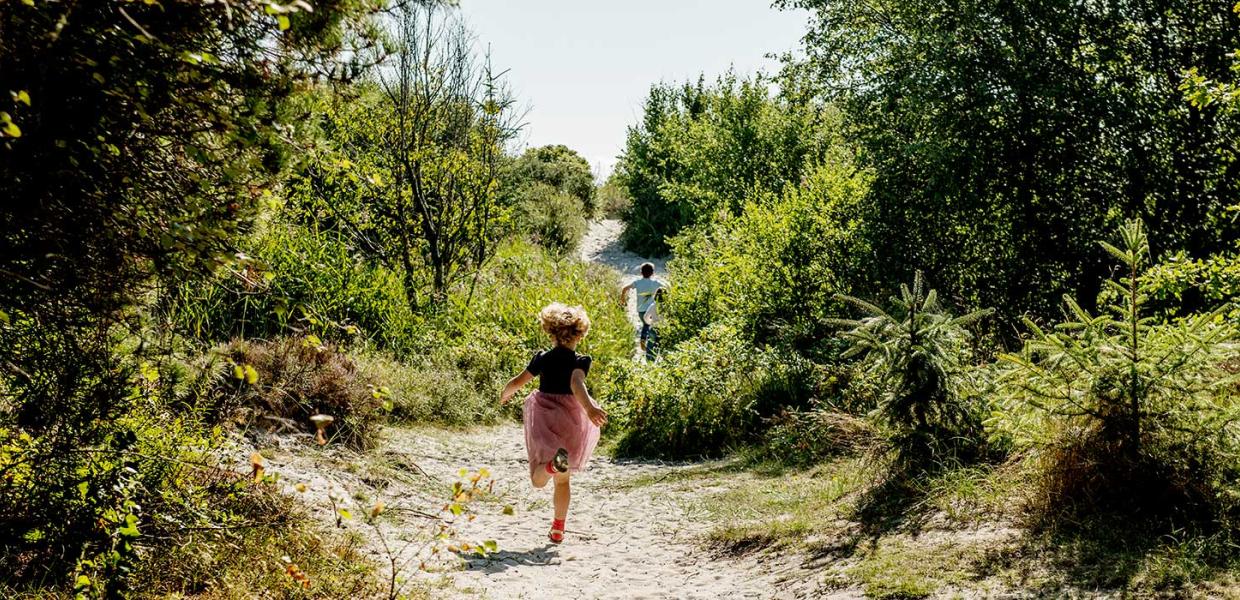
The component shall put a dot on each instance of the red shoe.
(557, 531)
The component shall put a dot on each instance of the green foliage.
(1182, 285)
(1140, 404)
(297, 279)
(919, 352)
(1006, 137)
(553, 220)
(773, 271)
(1203, 92)
(700, 151)
(132, 157)
(558, 167)
(707, 396)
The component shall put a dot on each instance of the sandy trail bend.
(601, 245)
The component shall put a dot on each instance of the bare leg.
(539, 475)
(561, 497)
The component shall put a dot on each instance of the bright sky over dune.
(583, 68)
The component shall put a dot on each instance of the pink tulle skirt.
(554, 421)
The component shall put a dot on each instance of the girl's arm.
(513, 385)
(597, 415)
(624, 293)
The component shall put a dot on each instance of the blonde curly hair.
(565, 324)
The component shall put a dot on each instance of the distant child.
(561, 419)
(647, 293)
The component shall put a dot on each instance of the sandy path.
(601, 244)
(633, 531)
(629, 537)
(636, 530)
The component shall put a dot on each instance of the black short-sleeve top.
(555, 367)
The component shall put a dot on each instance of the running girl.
(561, 419)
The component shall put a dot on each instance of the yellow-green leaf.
(238, 372)
(251, 375)
(283, 22)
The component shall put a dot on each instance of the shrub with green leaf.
(297, 278)
(920, 352)
(772, 272)
(1139, 410)
(1179, 285)
(552, 219)
(708, 395)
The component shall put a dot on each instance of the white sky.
(583, 68)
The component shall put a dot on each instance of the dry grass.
(297, 378)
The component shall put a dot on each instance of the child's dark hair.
(647, 269)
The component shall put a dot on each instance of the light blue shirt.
(646, 289)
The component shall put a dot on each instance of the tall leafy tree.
(1006, 136)
(702, 150)
(138, 138)
(414, 162)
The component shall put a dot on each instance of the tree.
(701, 151)
(1145, 398)
(918, 350)
(1007, 136)
(558, 167)
(414, 171)
(138, 139)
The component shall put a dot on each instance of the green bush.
(708, 395)
(297, 278)
(1180, 285)
(554, 220)
(557, 168)
(1137, 413)
(773, 271)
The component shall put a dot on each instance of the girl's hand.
(597, 416)
(505, 396)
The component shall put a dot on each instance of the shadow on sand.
(503, 560)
